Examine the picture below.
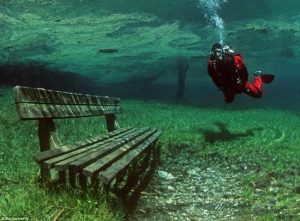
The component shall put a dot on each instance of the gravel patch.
(187, 190)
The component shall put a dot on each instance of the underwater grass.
(264, 143)
(21, 196)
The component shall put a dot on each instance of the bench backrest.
(46, 105)
(39, 103)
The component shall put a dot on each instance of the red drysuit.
(231, 76)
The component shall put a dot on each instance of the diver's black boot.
(265, 78)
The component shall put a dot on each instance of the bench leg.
(45, 173)
(155, 156)
(72, 178)
(110, 122)
(83, 181)
(62, 177)
(152, 159)
(95, 184)
(132, 179)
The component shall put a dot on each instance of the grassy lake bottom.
(258, 147)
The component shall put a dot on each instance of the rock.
(170, 188)
(169, 201)
(193, 172)
(165, 175)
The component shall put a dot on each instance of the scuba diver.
(229, 73)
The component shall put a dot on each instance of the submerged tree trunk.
(182, 68)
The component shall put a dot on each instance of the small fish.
(107, 51)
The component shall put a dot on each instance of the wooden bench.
(108, 157)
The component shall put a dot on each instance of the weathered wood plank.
(43, 96)
(82, 151)
(114, 156)
(110, 173)
(46, 155)
(31, 111)
(84, 159)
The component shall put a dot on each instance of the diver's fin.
(267, 78)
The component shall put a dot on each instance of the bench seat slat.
(82, 151)
(46, 155)
(110, 173)
(43, 96)
(31, 111)
(111, 158)
(96, 153)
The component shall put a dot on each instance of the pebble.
(170, 188)
(165, 175)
